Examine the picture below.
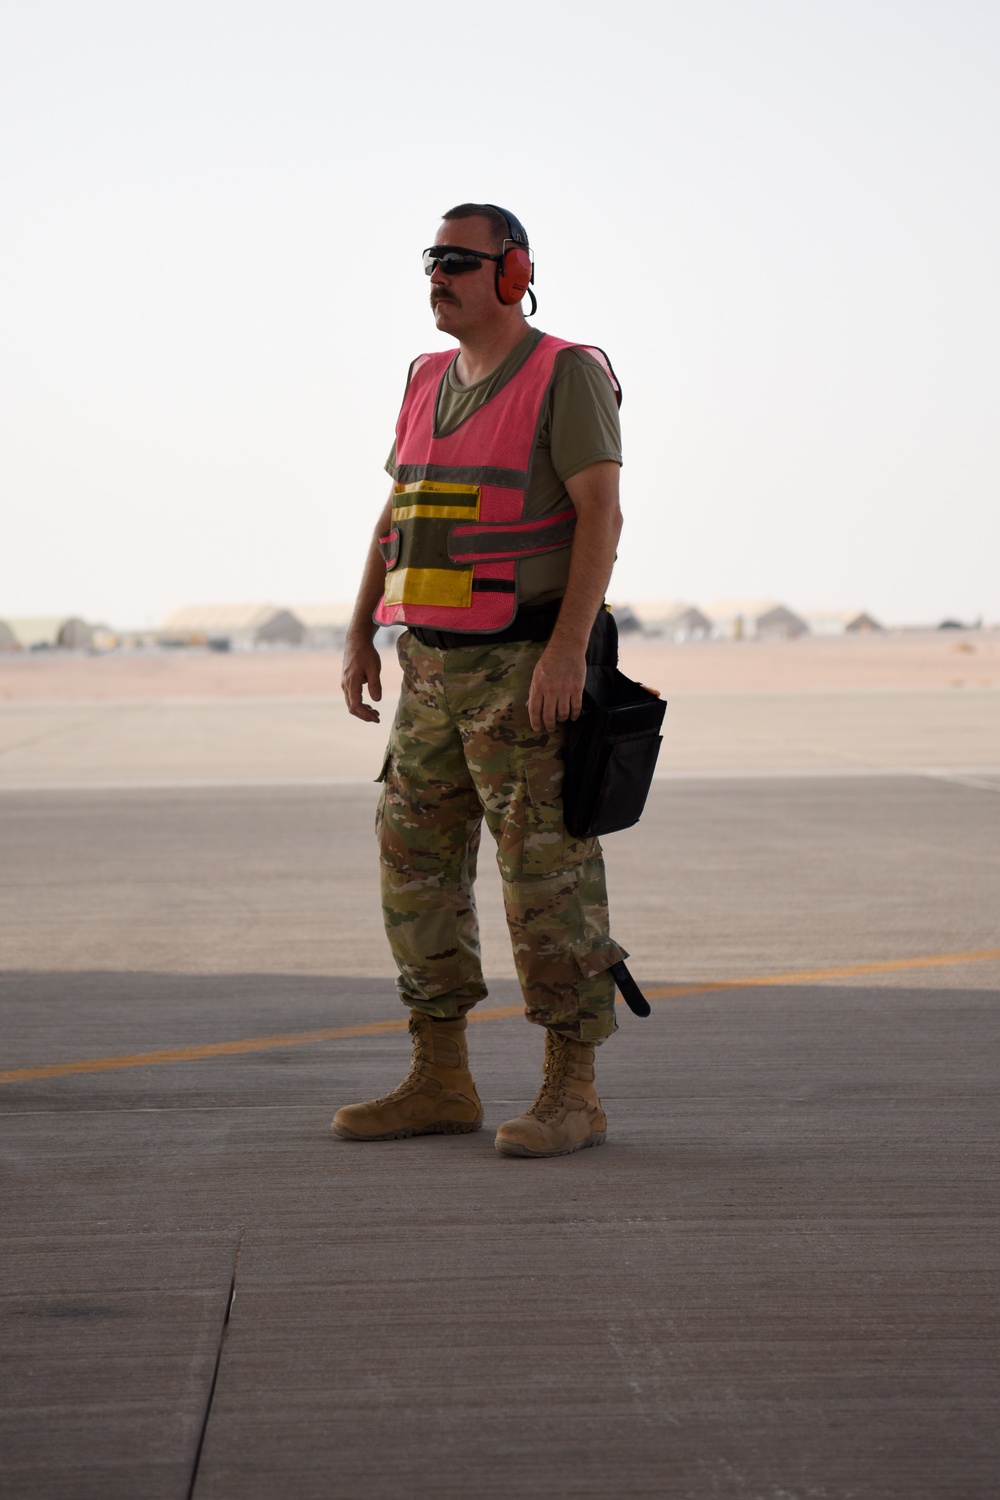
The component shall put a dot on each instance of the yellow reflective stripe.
(428, 500)
(434, 586)
(420, 509)
(433, 487)
(434, 512)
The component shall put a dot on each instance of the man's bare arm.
(362, 663)
(557, 685)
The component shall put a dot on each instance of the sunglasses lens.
(452, 262)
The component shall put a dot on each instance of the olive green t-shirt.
(579, 427)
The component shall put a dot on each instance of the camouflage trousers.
(462, 749)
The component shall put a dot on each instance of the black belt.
(533, 622)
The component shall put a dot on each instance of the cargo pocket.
(548, 844)
(529, 827)
(595, 958)
(596, 1015)
(543, 849)
(382, 777)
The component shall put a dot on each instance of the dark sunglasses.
(454, 259)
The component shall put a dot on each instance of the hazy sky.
(779, 217)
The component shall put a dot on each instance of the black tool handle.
(631, 993)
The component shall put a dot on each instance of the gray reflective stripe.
(504, 541)
(390, 549)
(504, 479)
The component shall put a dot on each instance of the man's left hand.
(557, 687)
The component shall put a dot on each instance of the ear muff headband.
(515, 269)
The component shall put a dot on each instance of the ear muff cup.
(513, 274)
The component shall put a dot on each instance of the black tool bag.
(611, 748)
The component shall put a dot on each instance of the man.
(495, 548)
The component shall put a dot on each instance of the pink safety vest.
(457, 531)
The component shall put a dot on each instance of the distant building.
(325, 624)
(136, 640)
(862, 623)
(780, 624)
(841, 622)
(674, 620)
(626, 619)
(755, 619)
(49, 632)
(734, 619)
(8, 640)
(232, 626)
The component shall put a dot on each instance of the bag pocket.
(624, 786)
(611, 754)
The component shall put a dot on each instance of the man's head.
(476, 282)
(498, 225)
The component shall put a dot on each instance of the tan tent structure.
(780, 624)
(232, 625)
(862, 623)
(325, 624)
(36, 632)
(675, 620)
(841, 622)
(755, 619)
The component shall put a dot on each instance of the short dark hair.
(498, 223)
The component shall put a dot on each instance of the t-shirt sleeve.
(581, 426)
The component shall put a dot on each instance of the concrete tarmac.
(776, 1279)
(281, 740)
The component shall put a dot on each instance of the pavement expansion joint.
(223, 1335)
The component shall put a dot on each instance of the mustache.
(437, 297)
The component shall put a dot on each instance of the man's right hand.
(362, 668)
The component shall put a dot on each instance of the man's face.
(463, 303)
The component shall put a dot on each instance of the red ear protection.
(515, 270)
(513, 273)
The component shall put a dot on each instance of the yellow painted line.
(193, 1054)
(809, 976)
(484, 1013)
(232, 1049)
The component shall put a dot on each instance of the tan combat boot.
(567, 1114)
(437, 1097)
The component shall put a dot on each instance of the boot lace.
(421, 1060)
(551, 1100)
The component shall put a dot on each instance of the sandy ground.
(931, 659)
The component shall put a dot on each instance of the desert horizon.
(878, 662)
